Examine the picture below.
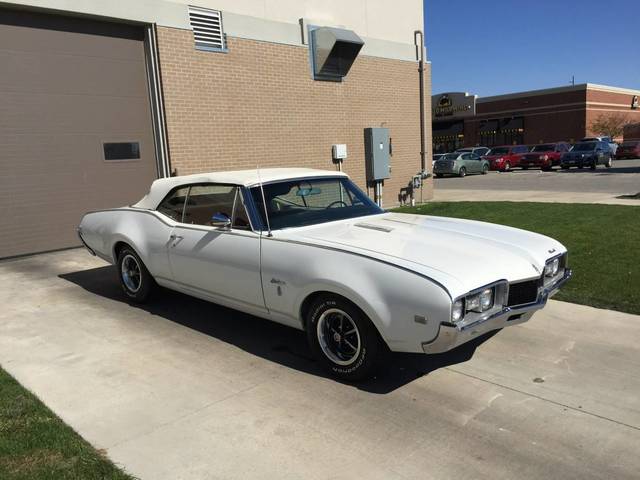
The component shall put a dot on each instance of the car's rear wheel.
(462, 172)
(609, 163)
(507, 167)
(136, 281)
(342, 338)
(485, 169)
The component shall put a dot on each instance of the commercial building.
(97, 98)
(537, 116)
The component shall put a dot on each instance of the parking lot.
(181, 388)
(574, 185)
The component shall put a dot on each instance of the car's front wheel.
(485, 169)
(462, 172)
(342, 338)
(136, 281)
(609, 163)
(507, 167)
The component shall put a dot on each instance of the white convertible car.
(308, 249)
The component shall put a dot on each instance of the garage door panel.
(33, 32)
(66, 93)
(71, 114)
(35, 72)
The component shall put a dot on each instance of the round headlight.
(486, 299)
(457, 310)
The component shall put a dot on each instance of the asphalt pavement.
(184, 389)
(575, 185)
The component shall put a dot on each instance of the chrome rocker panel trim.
(450, 336)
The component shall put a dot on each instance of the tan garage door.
(75, 126)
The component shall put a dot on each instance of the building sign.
(453, 105)
(634, 102)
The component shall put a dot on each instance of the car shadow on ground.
(271, 341)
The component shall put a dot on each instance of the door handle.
(175, 237)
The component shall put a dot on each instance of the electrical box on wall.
(376, 153)
(339, 152)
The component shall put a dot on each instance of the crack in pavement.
(560, 404)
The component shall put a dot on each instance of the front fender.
(405, 307)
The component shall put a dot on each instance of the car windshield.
(297, 203)
(498, 151)
(543, 148)
(584, 147)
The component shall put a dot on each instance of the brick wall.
(257, 104)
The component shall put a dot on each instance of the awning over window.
(490, 126)
(448, 129)
(514, 124)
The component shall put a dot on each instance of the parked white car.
(326, 259)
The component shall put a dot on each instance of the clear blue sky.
(500, 46)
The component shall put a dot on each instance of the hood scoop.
(371, 226)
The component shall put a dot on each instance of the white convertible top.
(248, 178)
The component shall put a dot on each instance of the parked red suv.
(544, 156)
(628, 149)
(506, 157)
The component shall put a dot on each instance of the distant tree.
(610, 125)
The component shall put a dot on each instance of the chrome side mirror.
(220, 220)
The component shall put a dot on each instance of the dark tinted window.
(121, 151)
(585, 147)
(173, 204)
(204, 201)
(499, 151)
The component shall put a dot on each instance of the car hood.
(461, 255)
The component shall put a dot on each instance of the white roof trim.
(247, 178)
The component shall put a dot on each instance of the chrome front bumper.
(450, 336)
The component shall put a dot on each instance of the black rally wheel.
(136, 281)
(342, 338)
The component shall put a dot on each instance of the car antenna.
(264, 203)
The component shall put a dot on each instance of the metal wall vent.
(207, 29)
(333, 51)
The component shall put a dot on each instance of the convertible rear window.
(312, 201)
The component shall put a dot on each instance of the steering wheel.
(336, 203)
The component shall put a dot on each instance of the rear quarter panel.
(147, 232)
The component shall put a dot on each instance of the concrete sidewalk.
(450, 195)
(183, 389)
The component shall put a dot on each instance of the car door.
(475, 163)
(218, 262)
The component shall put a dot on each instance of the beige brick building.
(103, 97)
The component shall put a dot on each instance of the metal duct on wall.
(333, 52)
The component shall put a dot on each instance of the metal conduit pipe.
(420, 58)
